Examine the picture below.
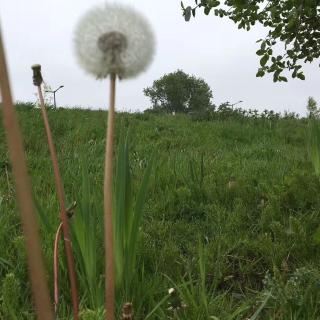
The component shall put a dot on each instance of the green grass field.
(231, 219)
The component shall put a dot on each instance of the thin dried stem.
(56, 268)
(63, 212)
(24, 196)
(108, 227)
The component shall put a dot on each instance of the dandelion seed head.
(37, 77)
(114, 39)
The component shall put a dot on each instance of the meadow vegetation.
(230, 226)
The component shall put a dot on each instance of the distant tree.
(179, 92)
(294, 23)
(313, 109)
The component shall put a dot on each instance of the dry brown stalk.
(24, 196)
(61, 198)
(107, 191)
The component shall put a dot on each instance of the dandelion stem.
(63, 213)
(24, 195)
(108, 226)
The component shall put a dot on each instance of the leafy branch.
(293, 23)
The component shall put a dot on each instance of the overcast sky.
(38, 31)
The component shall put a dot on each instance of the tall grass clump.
(127, 220)
(10, 296)
(314, 143)
(314, 134)
(87, 236)
(196, 297)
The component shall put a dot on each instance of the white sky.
(38, 31)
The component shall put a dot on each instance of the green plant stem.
(107, 192)
(24, 195)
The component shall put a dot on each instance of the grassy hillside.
(231, 221)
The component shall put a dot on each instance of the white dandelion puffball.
(114, 39)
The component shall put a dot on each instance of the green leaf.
(214, 4)
(138, 212)
(316, 236)
(276, 75)
(187, 13)
(264, 60)
(277, 30)
(241, 25)
(260, 52)
(260, 73)
(301, 76)
(314, 144)
(263, 304)
(207, 10)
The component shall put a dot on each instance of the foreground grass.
(231, 221)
